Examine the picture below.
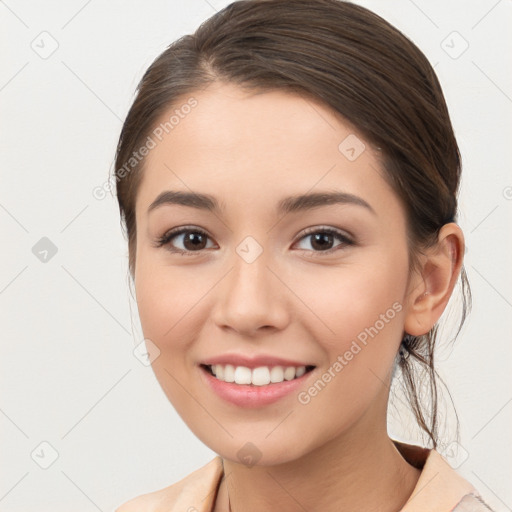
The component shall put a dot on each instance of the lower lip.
(250, 396)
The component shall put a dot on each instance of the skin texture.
(294, 301)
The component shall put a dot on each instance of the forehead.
(259, 145)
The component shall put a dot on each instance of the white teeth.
(289, 373)
(300, 371)
(277, 374)
(229, 373)
(261, 376)
(242, 375)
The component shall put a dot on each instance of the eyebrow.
(292, 204)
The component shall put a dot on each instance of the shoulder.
(194, 493)
(439, 487)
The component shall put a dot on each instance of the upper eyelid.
(329, 229)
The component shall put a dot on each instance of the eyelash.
(167, 237)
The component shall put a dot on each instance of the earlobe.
(435, 280)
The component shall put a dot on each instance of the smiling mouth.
(260, 376)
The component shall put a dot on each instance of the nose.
(251, 298)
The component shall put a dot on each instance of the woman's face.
(276, 275)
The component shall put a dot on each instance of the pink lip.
(248, 395)
(252, 362)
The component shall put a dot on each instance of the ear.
(431, 286)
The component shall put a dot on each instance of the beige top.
(439, 488)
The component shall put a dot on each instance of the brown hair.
(361, 67)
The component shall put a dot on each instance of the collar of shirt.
(439, 488)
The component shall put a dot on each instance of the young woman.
(288, 180)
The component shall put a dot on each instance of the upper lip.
(252, 361)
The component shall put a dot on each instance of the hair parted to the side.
(361, 67)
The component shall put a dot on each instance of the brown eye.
(187, 240)
(322, 240)
(193, 240)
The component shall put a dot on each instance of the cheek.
(173, 309)
(348, 301)
(358, 321)
(362, 315)
(166, 298)
(167, 301)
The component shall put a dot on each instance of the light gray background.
(68, 374)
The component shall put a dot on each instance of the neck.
(351, 472)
